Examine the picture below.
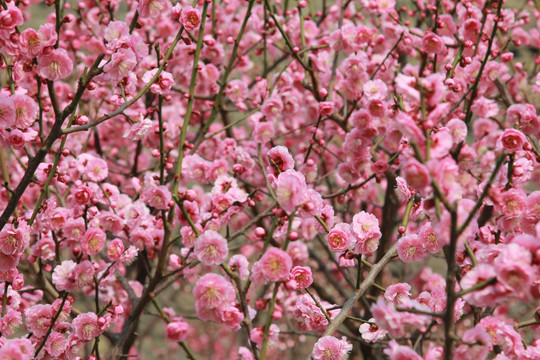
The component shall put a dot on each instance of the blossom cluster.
(269, 179)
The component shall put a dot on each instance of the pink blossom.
(432, 44)
(308, 315)
(96, 169)
(331, 348)
(280, 160)
(7, 112)
(39, 318)
(398, 293)
(263, 131)
(177, 330)
(157, 197)
(190, 18)
(402, 190)
(398, 352)
(86, 326)
(482, 297)
(93, 241)
(152, 8)
(275, 265)
(375, 90)
(326, 108)
(365, 228)
(429, 239)
(122, 62)
(512, 202)
(213, 291)
(479, 339)
(511, 140)
(11, 17)
(291, 190)
(116, 34)
(56, 65)
(56, 344)
(8, 262)
(14, 240)
(416, 175)
(10, 322)
(302, 277)
(26, 111)
(340, 238)
(16, 349)
(240, 264)
(211, 248)
(411, 248)
(371, 332)
(230, 316)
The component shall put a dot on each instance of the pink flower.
(10, 322)
(14, 240)
(240, 264)
(190, 18)
(26, 110)
(416, 175)
(280, 160)
(272, 107)
(458, 130)
(11, 17)
(56, 65)
(263, 131)
(308, 315)
(371, 332)
(326, 108)
(69, 275)
(482, 297)
(478, 344)
(116, 34)
(432, 44)
(402, 190)
(33, 42)
(39, 319)
(163, 82)
(399, 352)
(96, 169)
(375, 90)
(7, 112)
(365, 228)
(211, 248)
(302, 277)
(8, 262)
(16, 349)
(213, 291)
(410, 248)
(513, 268)
(340, 238)
(331, 348)
(93, 241)
(512, 202)
(291, 190)
(275, 265)
(177, 330)
(56, 344)
(230, 316)
(121, 64)
(157, 197)
(429, 239)
(115, 249)
(86, 326)
(398, 293)
(511, 140)
(152, 8)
